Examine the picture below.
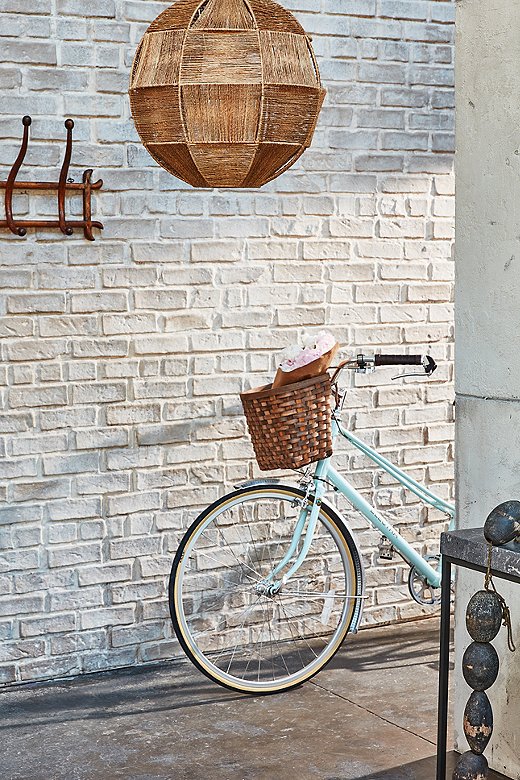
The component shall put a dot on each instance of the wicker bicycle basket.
(290, 426)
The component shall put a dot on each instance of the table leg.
(444, 661)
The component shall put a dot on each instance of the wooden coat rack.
(64, 185)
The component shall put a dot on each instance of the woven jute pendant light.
(225, 93)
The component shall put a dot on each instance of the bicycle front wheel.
(239, 636)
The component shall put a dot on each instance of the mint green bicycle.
(268, 580)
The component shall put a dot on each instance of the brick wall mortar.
(122, 360)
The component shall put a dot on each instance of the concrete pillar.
(488, 320)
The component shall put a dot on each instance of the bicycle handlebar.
(363, 363)
(398, 360)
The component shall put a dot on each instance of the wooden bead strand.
(480, 666)
(485, 613)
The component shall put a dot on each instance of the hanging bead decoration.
(484, 616)
(485, 613)
(503, 523)
(480, 665)
(471, 766)
(478, 721)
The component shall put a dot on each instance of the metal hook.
(88, 186)
(87, 207)
(62, 184)
(9, 187)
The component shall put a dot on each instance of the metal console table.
(469, 549)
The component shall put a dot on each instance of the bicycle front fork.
(309, 513)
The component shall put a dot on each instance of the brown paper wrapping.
(317, 367)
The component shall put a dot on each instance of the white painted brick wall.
(122, 360)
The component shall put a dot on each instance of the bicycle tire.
(183, 605)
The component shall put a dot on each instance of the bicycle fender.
(339, 517)
(262, 481)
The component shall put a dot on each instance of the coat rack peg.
(11, 224)
(64, 185)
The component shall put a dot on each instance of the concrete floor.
(370, 715)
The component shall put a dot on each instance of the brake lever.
(429, 366)
(406, 376)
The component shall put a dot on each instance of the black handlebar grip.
(398, 360)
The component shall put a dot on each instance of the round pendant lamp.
(225, 93)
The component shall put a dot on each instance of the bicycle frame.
(325, 474)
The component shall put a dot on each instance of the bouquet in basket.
(311, 358)
(289, 421)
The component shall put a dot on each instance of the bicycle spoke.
(226, 566)
(230, 548)
(241, 626)
(252, 540)
(314, 636)
(278, 641)
(271, 645)
(296, 643)
(248, 609)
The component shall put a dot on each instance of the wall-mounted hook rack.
(64, 184)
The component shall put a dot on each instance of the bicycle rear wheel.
(240, 637)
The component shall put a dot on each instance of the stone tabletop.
(469, 547)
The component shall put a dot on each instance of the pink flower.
(314, 346)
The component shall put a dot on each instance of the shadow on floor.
(420, 770)
(111, 695)
(167, 722)
(419, 649)
(158, 687)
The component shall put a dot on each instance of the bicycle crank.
(420, 589)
